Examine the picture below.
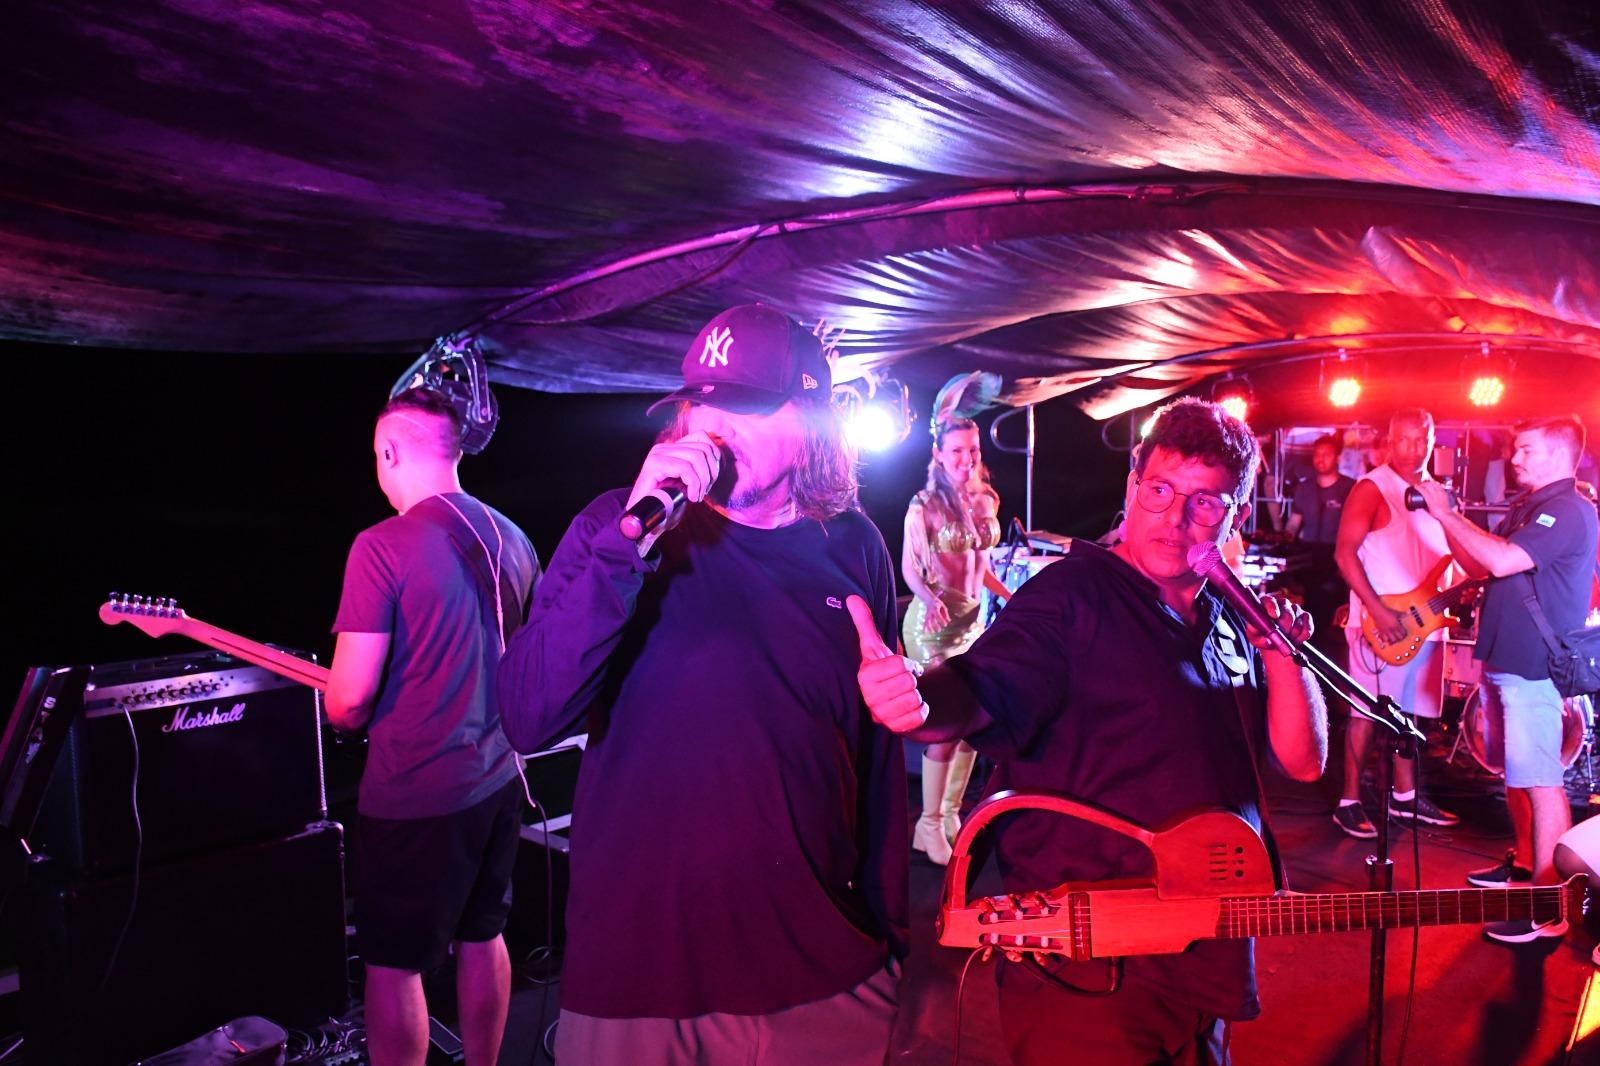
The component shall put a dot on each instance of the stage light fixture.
(876, 412)
(1485, 376)
(1235, 396)
(1344, 392)
(1342, 376)
(1486, 390)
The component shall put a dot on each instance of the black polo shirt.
(1557, 528)
(1321, 508)
(1100, 691)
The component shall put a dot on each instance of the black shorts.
(421, 883)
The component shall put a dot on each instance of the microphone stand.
(1400, 737)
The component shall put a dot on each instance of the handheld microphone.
(1415, 502)
(652, 511)
(1206, 560)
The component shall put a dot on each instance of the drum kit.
(1482, 733)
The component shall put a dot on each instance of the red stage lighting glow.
(1486, 391)
(1344, 392)
(1235, 396)
(1237, 406)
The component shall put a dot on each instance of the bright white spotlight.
(873, 427)
(1344, 392)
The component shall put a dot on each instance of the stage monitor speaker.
(227, 754)
(257, 930)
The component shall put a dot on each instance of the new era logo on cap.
(753, 359)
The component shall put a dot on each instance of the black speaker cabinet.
(227, 754)
(258, 929)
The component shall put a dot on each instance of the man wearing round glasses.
(1116, 677)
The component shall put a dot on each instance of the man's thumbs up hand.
(888, 681)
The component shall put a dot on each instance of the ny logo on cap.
(715, 353)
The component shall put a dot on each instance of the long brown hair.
(823, 482)
(939, 489)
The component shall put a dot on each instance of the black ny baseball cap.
(753, 359)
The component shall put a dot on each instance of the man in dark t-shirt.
(1546, 546)
(1318, 506)
(429, 598)
(1117, 678)
(740, 828)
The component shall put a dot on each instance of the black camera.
(1415, 502)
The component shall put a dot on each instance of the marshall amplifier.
(223, 753)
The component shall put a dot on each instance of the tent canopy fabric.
(1109, 198)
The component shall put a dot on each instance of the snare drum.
(1484, 731)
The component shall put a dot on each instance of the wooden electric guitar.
(1213, 880)
(1422, 610)
(158, 617)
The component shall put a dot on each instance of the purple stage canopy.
(1117, 198)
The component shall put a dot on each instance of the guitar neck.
(279, 662)
(1338, 912)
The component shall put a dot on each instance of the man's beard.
(743, 497)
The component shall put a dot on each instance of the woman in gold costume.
(950, 527)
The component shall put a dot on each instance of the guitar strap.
(481, 567)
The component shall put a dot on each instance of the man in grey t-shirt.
(429, 599)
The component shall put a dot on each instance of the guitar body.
(1213, 880)
(1422, 611)
(1199, 861)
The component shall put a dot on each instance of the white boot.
(955, 788)
(929, 834)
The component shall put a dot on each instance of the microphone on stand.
(652, 511)
(1206, 560)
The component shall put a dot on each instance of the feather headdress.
(964, 396)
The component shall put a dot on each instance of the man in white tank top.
(1383, 550)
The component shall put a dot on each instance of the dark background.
(236, 483)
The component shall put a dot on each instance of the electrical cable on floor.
(548, 1041)
(961, 985)
(545, 952)
(138, 861)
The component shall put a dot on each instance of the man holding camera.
(1542, 563)
(1384, 549)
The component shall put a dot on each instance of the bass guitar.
(1213, 880)
(1422, 610)
(158, 617)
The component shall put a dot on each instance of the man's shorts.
(421, 883)
(1417, 686)
(1532, 716)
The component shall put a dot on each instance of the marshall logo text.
(184, 720)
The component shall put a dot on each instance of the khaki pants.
(848, 1029)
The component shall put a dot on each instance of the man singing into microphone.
(1121, 679)
(740, 827)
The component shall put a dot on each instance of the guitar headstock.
(155, 616)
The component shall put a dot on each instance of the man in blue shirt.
(1549, 540)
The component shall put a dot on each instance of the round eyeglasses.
(1203, 509)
